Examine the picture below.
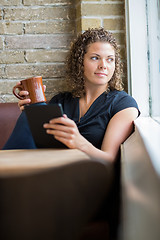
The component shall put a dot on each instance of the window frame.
(139, 76)
(153, 24)
(137, 60)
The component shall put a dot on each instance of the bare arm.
(119, 128)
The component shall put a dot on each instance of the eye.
(94, 58)
(110, 59)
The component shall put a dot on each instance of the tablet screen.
(37, 115)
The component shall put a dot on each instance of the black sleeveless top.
(94, 123)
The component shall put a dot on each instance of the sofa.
(105, 226)
(9, 112)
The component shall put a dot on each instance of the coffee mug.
(34, 86)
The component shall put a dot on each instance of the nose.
(102, 64)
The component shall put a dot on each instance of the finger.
(68, 142)
(18, 83)
(22, 108)
(23, 93)
(63, 120)
(58, 133)
(44, 88)
(60, 127)
(24, 102)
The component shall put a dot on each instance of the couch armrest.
(9, 113)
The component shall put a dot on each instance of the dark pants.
(21, 137)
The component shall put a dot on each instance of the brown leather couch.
(9, 112)
(103, 229)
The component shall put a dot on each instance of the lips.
(101, 74)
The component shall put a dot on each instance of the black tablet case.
(37, 115)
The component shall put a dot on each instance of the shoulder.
(118, 94)
(121, 100)
(121, 96)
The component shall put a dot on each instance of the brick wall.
(35, 36)
(34, 39)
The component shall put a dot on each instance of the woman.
(98, 115)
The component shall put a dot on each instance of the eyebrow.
(107, 56)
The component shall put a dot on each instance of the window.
(143, 64)
(143, 54)
(137, 65)
(143, 51)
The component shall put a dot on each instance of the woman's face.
(99, 64)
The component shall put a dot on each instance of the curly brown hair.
(74, 61)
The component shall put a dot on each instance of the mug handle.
(20, 88)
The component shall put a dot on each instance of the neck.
(87, 99)
(92, 93)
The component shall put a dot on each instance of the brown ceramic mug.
(34, 86)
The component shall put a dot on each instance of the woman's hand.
(25, 94)
(65, 130)
(25, 101)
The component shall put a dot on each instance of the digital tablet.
(37, 115)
